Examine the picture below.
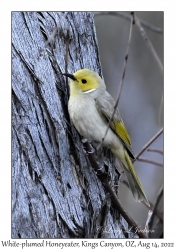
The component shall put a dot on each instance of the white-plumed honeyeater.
(90, 108)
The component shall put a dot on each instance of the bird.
(90, 108)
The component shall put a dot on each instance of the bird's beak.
(70, 76)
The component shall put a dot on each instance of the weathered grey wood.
(55, 192)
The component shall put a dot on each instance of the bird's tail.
(133, 180)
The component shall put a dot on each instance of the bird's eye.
(83, 81)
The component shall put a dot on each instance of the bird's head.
(85, 81)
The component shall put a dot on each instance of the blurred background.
(140, 104)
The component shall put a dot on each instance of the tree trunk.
(55, 192)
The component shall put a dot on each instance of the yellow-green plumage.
(120, 129)
(90, 108)
(133, 180)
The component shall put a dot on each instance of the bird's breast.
(87, 120)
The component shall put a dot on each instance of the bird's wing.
(105, 106)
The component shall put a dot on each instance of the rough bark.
(55, 192)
